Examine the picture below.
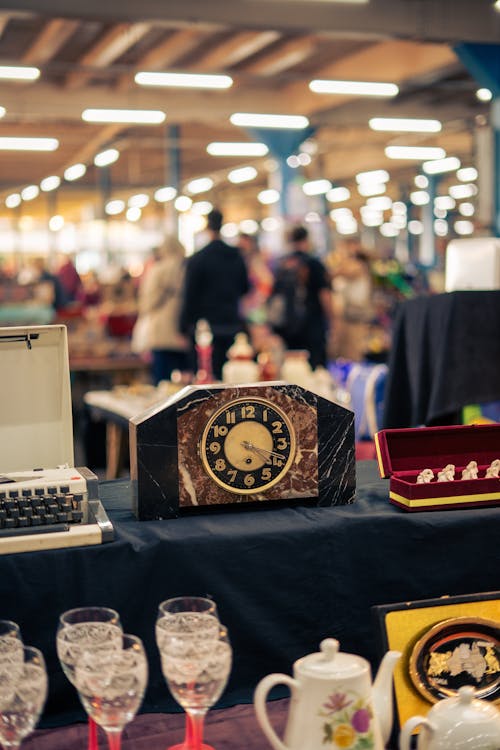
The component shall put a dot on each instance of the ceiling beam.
(283, 56)
(237, 47)
(86, 153)
(432, 20)
(4, 20)
(49, 41)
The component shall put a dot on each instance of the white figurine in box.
(493, 470)
(425, 476)
(447, 474)
(470, 471)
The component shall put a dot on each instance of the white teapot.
(333, 701)
(459, 723)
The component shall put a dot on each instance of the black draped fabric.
(283, 579)
(445, 355)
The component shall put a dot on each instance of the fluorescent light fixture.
(242, 174)
(338, 194)
(74, 172)
(229, 230)
(399, 208)
(184, 80)
(374, 175)
(467, 174)
(441, 227)
(463, 227)
(466, 209)
(114, 207)
(201, 185)
(286, 122)
(415, 227)
(312, 217)
(438, 166)
(444, 203)
(414, 152)
(13, 200)
(356, 88)
(371, 188)
(421, 181)
(440, 213)
(50, 183)
(404, 125)
(19, 73)
(304, 159)
(398, 220)
(202, 208)
(317, 187)
(249, 226)
(420, 197)
(183, 203)
(348, 227)
(380, 203)
(165, 194)
(134, 213)
(389, 230)
(134, 116)
(107, 157)
(340, 214)
(270, 224)
(56, 223)
(2, 111)
(463, 191)
(28, 144)
(267, 197)
(139, 200)
(372, 220)
(218, 148)
(293, 161)
(484, 95)
(30, 193)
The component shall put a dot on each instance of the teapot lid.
(465, 708)
(330, 662)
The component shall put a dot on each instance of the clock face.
(248, 445)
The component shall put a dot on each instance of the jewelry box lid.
(36, 425)
(417, 448)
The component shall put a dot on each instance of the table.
(283, 579)
(445, 355)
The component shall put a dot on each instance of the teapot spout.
(382, 694)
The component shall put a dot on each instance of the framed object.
(445, 643)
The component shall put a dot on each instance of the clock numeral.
(264, 415)
(232, 474)
(281, 444)
(220, 464)
(277, 461)
(214, 447)
(277, 426)
(266, 475)
(248, 411)
(249, 480)
(220, 430)
(230, 417)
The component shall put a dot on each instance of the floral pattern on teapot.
(348, 722)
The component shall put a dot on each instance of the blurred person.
(159, 300)
(300, 305)
(91, 294)
(51, 290)
(260, 277)
(216, 280)
(69, 279)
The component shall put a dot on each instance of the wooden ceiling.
(89, 50)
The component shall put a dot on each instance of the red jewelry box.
(403, 453)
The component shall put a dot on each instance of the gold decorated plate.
(457, 652)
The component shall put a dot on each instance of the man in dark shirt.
(216, 280)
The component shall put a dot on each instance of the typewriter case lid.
(36, 425)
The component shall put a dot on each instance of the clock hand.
(263, 451)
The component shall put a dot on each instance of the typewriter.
(42, 508)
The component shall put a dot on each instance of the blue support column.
(427, 246)
(483, 62)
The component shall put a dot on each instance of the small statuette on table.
(493, 470)
(447, 474)
(425, 476)
(470, 471)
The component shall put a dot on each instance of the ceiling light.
(229, 230)
(202, 208)
(237, 149)
(243, 174)
(28, 144)
(367, 188)
(19, 73)
(13, 200)
(348, 227)
(267, 197)
(496, 5)
(467, 174)
(270, 224)
(201, 185)
(184, 80)
(463, 227)
(462, 191)
(415, 227)
(50, 183)
(340, 214)
(484, 95)
(338, 194)
(114, 207)
(30, 193)
(134, 213)
(74, 172)
(139, 116)
(164, 194)
(375, 175)
(183, 203)
(437, 166)
(140, 200)
(317, 187)
(372, 220)
(440, 213)
(356, 88)
(380, 203)
(444, 203)
(249, 226)
(107, 157)
(421, 181)
(420, 198)
(293, 161)
(466, 209)
(304, 159)
(248, 120)
(414, 152)
(389, 230)
(404, 125)
(398, 220)
(2, 111)
(399, 208)
(441, 227)
(56, 223)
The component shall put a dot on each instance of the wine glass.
(196, 667)
(95, 629)
(193, 610)
(111, 685)
(23, 691)
(11, 644)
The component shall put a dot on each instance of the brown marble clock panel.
(195, 486)
(165, 466)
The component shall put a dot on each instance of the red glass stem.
(93, 743)
(196, 721)
(114, 740)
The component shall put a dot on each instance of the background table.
(445, 355)
(283, 579)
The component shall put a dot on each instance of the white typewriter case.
(36, 427)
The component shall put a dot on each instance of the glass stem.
(114, 740)
(197, 722)
(92, 744)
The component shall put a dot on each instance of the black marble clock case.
(166, 432)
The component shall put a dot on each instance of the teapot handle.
(408, 729)
(259, 700)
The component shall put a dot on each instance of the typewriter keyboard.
(40, 510)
